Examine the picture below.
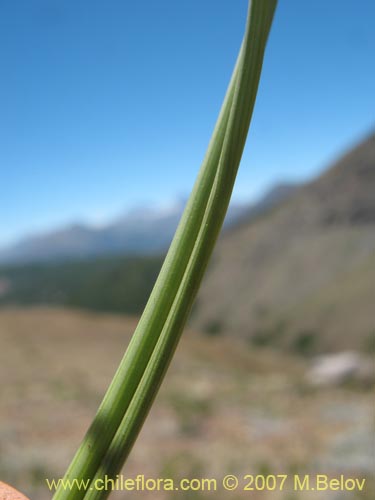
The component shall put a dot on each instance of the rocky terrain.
(225, 408)
(301, 276)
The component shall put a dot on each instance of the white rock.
(335, 369)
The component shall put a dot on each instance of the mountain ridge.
(140, 231)
(265, 272)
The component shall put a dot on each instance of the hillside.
(118, 284)
(302, 275)
(223, 408)
(296, 272)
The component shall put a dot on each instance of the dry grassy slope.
(222, 409)
(304, 269)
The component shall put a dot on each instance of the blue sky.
(105, 105)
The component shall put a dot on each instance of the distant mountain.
(144, 231)
(68, 268)
(296, 271)
(303, 274)
(271, 199)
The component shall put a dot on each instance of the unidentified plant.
(126, 404)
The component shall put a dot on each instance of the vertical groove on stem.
(131, 393)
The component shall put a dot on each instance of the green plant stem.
(130, 395)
